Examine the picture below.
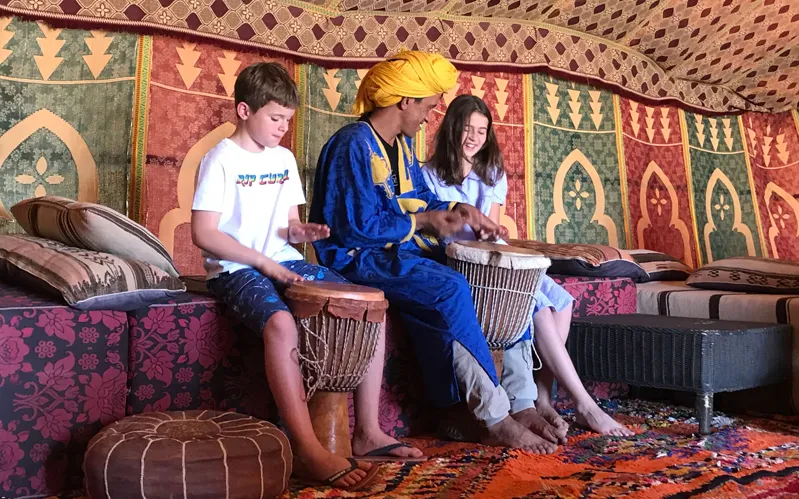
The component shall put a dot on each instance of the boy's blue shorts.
(254, 298)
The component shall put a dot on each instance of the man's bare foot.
(533, 421)
(595, 419)
(510, 433)
(552, 417)
(368, 440)
(318, 464)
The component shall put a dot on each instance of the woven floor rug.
(750, 457)
(743, 457)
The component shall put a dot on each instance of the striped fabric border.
(139, 129)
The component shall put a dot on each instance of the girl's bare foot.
(595, 419)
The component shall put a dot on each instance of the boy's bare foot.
(533, 421)
(366, 441)
(319, 465)
(552, 417)
(510, 433)
(595, 419)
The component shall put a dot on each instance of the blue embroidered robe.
(374, 242)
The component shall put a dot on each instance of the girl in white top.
(466, 166)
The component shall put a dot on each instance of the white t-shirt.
(472, 191)
(253, 192)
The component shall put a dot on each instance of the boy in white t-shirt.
(244, 216)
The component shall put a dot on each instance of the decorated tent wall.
(124, 119)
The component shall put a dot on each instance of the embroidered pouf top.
(191, 454)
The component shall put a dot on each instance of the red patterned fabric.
(772, 141)
(188, 355)
(600, 296)
(657, 183)
(504, 95)
(200, 77)
(62, 378)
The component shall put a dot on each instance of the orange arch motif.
(186, 183)
(737, 220)
(88, 186)
(773, 190)
(653, 169)
(576, 157)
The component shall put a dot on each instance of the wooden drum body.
(503, 281)
(338, 329)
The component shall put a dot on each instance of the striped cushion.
(750, 274)
(88, 280)
(589, 260)
(660, 266)
(91, 226)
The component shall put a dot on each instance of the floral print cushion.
(63, 375)
(600, 295)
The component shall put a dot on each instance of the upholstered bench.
(699, 355)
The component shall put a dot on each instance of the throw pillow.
(589, 260)
(750, 274)
(87, 280)
(660, 266)
(91, 226)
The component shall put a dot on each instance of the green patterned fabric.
(726, 220)
(575, 164)
(327, 99)
(65, 119)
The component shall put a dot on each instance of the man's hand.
(307, 233)
(484, 228)
(439, 222)
(274, 270)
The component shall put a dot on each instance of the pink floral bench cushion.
(63, 375)
(600, 295)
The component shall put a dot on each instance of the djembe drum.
(503, 281)
(338, 329)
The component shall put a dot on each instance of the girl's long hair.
(448, 149)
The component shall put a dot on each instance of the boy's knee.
(281, 325)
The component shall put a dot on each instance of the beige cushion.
(589, 260)
(91, 226)
(86, 279)
(750, 274)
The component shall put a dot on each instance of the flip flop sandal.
(383, 454)
(368, 479)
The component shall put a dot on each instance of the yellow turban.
(407, 74)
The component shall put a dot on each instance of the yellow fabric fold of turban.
(408, 74)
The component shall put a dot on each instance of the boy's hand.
(307, 233)
(274, 270)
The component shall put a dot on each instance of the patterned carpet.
(743, 457)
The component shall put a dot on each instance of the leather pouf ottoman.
(191, 454)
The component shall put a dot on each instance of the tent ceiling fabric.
(712, 55)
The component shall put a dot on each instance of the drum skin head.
(502, 248)
(336, 290)
(496, 255)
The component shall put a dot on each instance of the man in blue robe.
(384, 225)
